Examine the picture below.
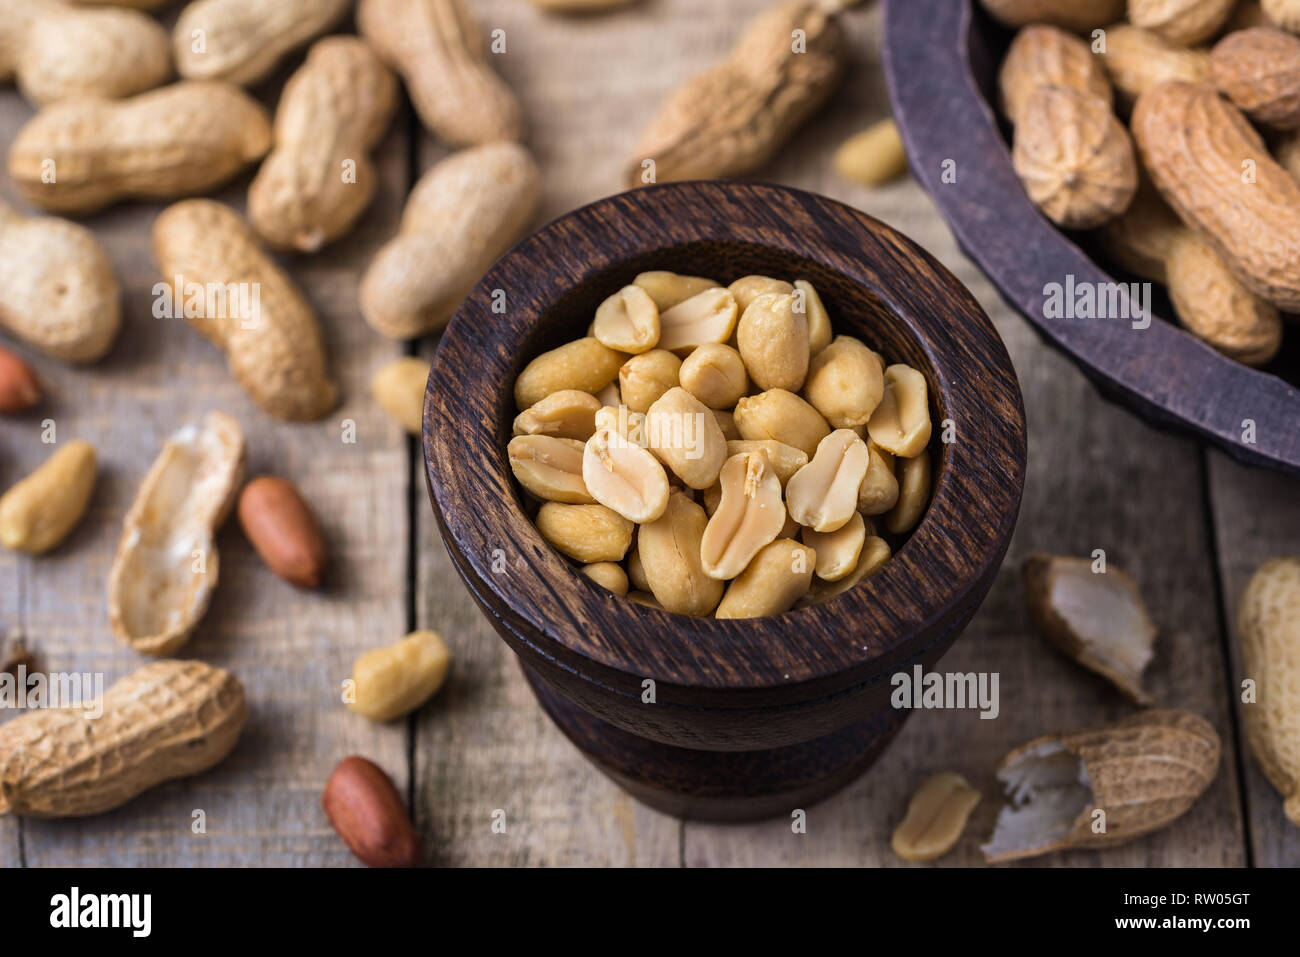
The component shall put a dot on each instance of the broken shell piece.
(166, 563)
(1102, 786)
(1097, 618)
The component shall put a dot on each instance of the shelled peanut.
(643, 487)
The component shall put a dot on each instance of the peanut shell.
(439, 50)
(167, 720)
(1268, 623)
(1215, 171)
(166, 565)
(276, 352)
(81, 155)
(733, 118)
(1143, 772)
(241, 41)
(318, 178)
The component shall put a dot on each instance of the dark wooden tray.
(941, 59)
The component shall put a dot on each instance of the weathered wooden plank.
(1256, 518)
(10, 847)
(291, 649)
(1097, 479)
(484, 744)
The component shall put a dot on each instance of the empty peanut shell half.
(167, 720)
(166, 564)
(1097, 618)
(1102, 786)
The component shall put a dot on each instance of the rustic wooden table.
(1187, 522)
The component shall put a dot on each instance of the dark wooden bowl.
(941, 59)
(763, 686)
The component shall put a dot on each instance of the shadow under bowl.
(799, 701)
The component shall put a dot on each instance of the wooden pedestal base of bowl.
(942, 59)
(726, 720)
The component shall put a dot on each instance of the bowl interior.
(854, 308)
(876, 285)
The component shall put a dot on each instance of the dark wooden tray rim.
(936, 51)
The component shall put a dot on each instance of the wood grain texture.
(291, 649)
(1160, 371)
(484, 745)
(588, 85)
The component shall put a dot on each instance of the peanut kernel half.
(749, 515)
